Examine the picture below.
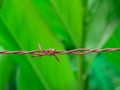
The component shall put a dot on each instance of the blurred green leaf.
(102, 24)
(102, 20)
(6, 62)
(101, 73)
(114, 42)
(26, 26)
(65, 19)
(118, 88)
(6, 68)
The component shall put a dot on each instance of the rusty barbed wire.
(53, 52)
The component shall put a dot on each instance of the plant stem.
(80, 74)
(81, 58)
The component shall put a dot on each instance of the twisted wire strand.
(78, 51)
(53, 52)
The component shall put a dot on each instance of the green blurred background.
(63, 25)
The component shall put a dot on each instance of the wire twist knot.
(49, 52)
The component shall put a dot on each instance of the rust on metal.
(53, 52)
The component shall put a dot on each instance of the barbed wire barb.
(50, 52)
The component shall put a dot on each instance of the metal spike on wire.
(53, 52)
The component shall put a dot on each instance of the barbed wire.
(53, 52)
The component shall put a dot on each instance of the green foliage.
(45, 72)
(59, 24)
